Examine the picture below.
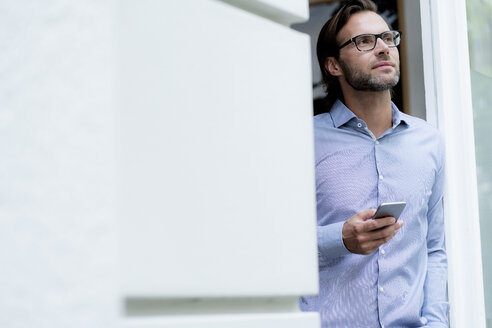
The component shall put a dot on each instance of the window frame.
(449, 107)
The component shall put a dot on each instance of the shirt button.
(377, 142)
(359, 125)
(380, 177)
(383, 252)
(381, 289)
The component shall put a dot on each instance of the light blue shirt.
(403, 284)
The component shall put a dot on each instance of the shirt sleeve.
(435, 308)
(330, 242)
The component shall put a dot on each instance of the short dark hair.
(327, 45)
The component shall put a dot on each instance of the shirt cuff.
(330, 242)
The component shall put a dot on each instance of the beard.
(362, 81)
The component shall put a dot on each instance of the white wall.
(217, 173)
(182, 130)
(56, 136)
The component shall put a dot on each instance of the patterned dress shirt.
(403, 284)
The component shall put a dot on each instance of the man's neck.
(374, 108)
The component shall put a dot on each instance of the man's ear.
(332, 66)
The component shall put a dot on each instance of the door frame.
(448, 101)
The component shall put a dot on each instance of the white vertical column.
(216, 196)
(448, 82)
(57, 229)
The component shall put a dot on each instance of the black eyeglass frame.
(375, 41)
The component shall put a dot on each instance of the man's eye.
(364, 40)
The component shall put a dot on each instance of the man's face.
(373, 70)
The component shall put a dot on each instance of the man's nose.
(381, 46)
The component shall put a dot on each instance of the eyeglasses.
(366, 42)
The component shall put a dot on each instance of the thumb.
(366, 214)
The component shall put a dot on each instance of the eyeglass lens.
(368, 41)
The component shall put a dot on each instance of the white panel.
(449, 82)
(297, 7)
(429, 52)
(282, 11)
(217, 193)
(57, 228)
(287, 320)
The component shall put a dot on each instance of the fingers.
(386, 235)
(363, 224)
(366, 214)
(380, 223)
(363, 236)
(380, 236)
(387, 232)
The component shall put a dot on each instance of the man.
(375, 272)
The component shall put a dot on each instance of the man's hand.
(364, 237)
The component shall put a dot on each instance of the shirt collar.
(397, 116)
(340, 114)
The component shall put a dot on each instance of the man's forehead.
(361, 23)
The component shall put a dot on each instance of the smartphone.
(389, 209)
